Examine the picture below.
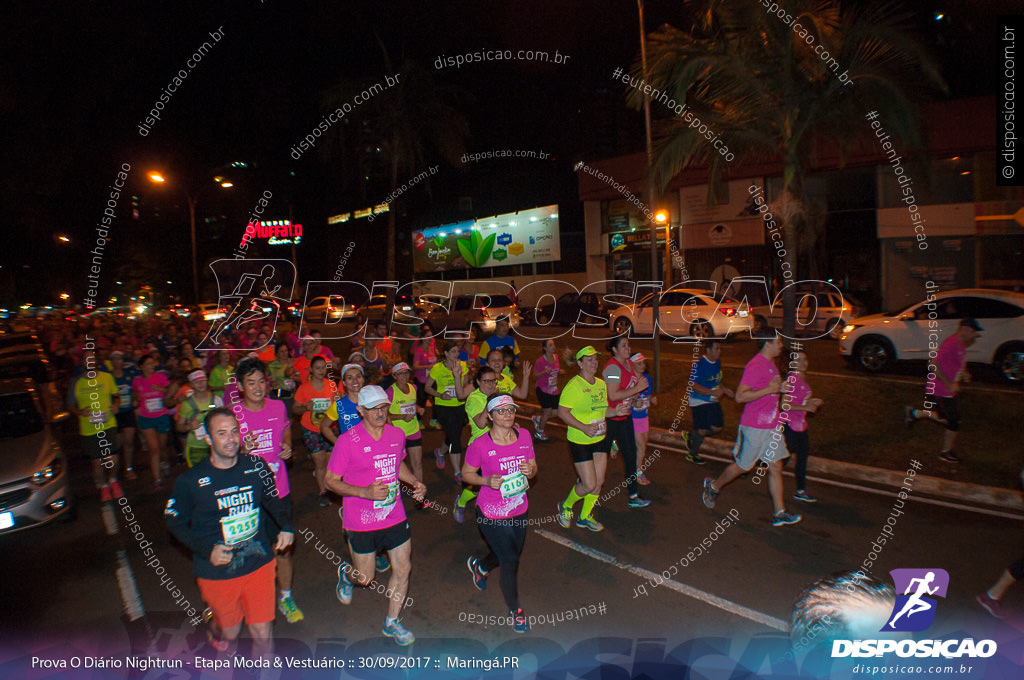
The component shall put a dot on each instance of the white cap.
(501, 400)
(373, 395)
(348, 367)
(638, 357)
(399, 367)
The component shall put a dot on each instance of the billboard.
(521, 237)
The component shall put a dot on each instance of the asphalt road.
(63, 592)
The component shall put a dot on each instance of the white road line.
(689, 591)
(108, 518)
(129, 590)
(845, 485)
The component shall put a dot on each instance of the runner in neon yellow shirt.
(404, 414)
(94, 398)
(448, 383)
(583, 406)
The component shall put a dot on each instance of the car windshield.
(499, 301)
(19, 416)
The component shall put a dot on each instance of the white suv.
(873, 342)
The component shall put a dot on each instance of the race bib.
(553, 381)
(602, 427)
(390, 499)
(289, 384)
(641, 403)
(200, 432)
(321, 405)
(124, 390)
(513, 485)
(154, 404)
(97, 417)
(408, 409)
(241, 527)
(449, 392)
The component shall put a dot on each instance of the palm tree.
(408, 122)
(762, 88)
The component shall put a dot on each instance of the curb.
(937, 487)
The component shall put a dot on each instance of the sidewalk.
(933, 487)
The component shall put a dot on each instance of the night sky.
(77, 78)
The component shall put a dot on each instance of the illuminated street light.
(65, 239)
(156, 177)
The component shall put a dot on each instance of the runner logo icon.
(254, 290)
(914, 610)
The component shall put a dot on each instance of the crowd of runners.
(225, 421)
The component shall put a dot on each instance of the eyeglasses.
(507, 411)
(379, 410)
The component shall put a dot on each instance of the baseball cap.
(399, 367)
(116, 353)
(347, 367)
(197, 375)
(372, 395)
(501, 400)
(587, 351)
(638, 357)
(971, 323)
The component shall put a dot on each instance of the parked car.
(405, 307)
(874, 342)
(324, 309)
(211, 311)
(22, 356)
(34, 485)
(484, 309)
(685, 313)
(818, 312)
(571, 308)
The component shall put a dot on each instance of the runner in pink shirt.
(945, 374)
(266, 432)
(797, 404)
(501, 461)
(547, 371)
(759, 437)
(366, 468)
(148, 393)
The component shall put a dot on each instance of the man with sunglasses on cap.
(366, 468)
(945, 374)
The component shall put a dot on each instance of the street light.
(64, 238)
(661, 217)
(650, 201)
(159, 179)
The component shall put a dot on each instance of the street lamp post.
(192, 200)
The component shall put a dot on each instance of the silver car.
(34, 480)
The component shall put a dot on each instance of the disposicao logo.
(914, 611)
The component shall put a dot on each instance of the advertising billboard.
(522, 237)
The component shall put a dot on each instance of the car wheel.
(834, 328)
(760, 323)
(1011, 363)
(873, 353)
(622, 326)
(701, 329)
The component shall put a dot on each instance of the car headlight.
(47, 474)
(848, 328)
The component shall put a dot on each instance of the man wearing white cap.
(191, 414)
(366, 466)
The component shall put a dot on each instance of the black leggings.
(505, 538)
(621, 431)
(452, 419)
(799, 445)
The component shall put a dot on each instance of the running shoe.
(383, 563)
(637, 502)
(324, 500)
(709, 494)
(590, 523)
(458, 480)
(614, 453)
(519, 622)
(105, 494)
(460, 513)
(536, 425)
(291, 611)
(949, 457)
(994, 606)
(642, 480)
(479, 575)
(802, 495)
(344, 588)
(398, 633)
(695, 458)
(783, 517)
(564, 516)
(908, 416)
(439, 458)
(541, 437)
(115, 489)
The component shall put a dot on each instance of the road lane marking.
(108, 518)
(130, 596)
(682, 588)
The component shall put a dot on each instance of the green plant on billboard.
(475, 249)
